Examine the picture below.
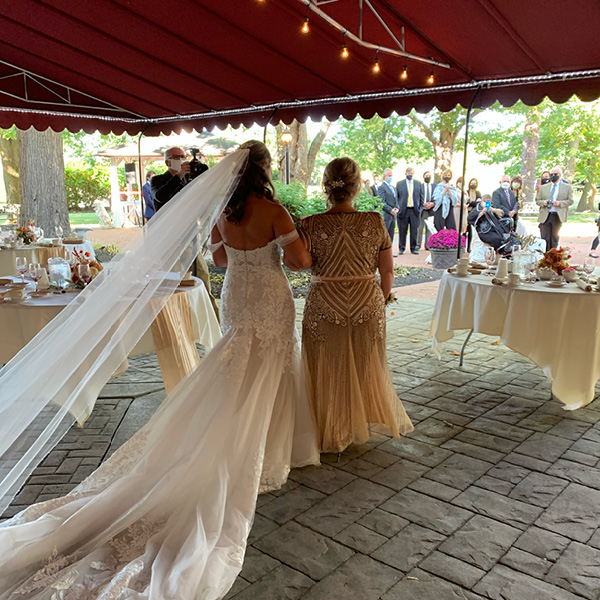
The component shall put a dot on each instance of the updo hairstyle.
(341, 180)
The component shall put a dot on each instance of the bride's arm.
(216, 247)
(386, 271)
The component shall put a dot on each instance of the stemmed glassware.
(21, 262)
(589, 264)
(531, 266)
(490, 258)
(35, 273)
(59, 233)
(85, 273)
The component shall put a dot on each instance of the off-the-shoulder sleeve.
(214, 247)
(386, 242)
(287, 238)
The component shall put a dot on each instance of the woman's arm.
(386, 271)
(295, 255)
(219, 255)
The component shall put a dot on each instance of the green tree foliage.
(84, 185)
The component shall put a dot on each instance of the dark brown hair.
(254, 179)
(341, 180)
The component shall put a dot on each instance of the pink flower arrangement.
(446, 239)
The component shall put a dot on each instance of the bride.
(168, 515)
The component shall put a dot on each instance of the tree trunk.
(302, 156)
(443, 153)
(42, 170)
(529, 155)
(588, 196)
(9, 153)
(569, 173)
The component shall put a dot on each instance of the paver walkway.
(496, 494)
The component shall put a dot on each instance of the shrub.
(84, 185)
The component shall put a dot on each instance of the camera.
(196, 167)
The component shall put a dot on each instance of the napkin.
(43, 283)
(497, 281)
(586, 287)
(73, 240)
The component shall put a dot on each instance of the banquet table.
(186, 318)
(39, 254)
(557, 328)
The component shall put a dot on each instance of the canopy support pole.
(464, 174)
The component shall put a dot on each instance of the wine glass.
(35, 273)
(490, 258)
(85, 273)
(531, 266)
(59, 233)
(589, 264)
(22, 267)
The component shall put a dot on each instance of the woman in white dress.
(168, 515)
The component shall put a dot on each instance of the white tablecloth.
(20, 322)
(85, 247)
(558, 329)
(8, 256)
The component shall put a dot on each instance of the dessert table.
(557, 328)
(186, 318)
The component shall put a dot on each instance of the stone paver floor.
(496, 494)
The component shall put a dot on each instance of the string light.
(376, 67)
(431, 79)
(404, 73)
(345, 53)
(305, 26)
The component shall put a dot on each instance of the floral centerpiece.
(555, 259)
(83, 258)
(26, 233)
(443, 246)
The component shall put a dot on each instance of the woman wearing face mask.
(543, 180)
(473, 195)
(445, 198)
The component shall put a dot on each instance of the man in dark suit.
(427, 212)
(410, 205)
(165, 186)
(389, 202)
(375, 186)
(505, 198)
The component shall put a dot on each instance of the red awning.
(133, 65)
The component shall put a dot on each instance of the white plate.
(8, 299)
(556, 284)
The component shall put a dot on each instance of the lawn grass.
(573, 217)
(75, 218)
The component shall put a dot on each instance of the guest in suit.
(445, 198)
(427, 212)
(149, 209)
(473, 195)
(165, 186)
(554, 199)
(504, 198)
(410, 204)
(389, 198)
(375, 186)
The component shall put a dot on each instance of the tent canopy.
(133, 65)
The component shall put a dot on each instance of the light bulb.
(345, 53)
(376, 67)
(431, 79)
(404, 73)
(305, 26)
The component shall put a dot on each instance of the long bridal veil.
(56, 378)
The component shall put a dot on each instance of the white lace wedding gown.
(168, 515)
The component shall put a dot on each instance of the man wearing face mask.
(445, 198)
(410, 205)
(554, 199)
(165, 186)
(389, 196)
(427, 212)
(505, 198)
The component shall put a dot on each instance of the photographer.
(596, 241)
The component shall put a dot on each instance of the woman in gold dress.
(343, 330)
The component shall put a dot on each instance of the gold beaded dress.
(343, 331)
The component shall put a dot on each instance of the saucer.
(459, 274)
(556, 284)
(16, 300)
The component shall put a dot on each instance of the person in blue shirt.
(149, 209)
(445, 197)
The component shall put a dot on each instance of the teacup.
(14, 244)
(462, 269)
(16, 293)
(514, 279)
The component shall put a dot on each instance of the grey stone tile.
(288, 506)
(429, 512)
(458, 471)
(542, 543)
(578, 571)
(569, 429)
(431, 589)
(504, 583)
(544, 446)
(257, 565)
(579, 457)
(513, 410)
(360, 538)
(383, 522)
(238, 585)
(538, 489)
(456, 407)
(586, 475)
(414, 450)
(261, 527)
(498, 428)
(324, 479)
(380, 458)
(433, 431)
(451, 419)
(435, 489)
(432, 389)
(129, 390)
(587, 446)
(575, 513)
(526, 563)
(455, 377)
(400, 474)
(304, 550)
(408, 548)
(282, 583)
(481, 542)
(493, 442)
(495, 485)
(336, 512)
(452, 569)
(496, 506)
(362, 468)
(509, 472)
(533, 464)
